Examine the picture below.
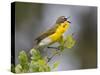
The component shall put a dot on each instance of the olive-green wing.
(47, 33)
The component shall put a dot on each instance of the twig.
(49, 58)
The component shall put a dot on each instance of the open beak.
(67, 19)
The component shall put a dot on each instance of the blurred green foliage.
(55, 65)
(38, 63)
(69, 41)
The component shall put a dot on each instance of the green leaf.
(43, 66)
(25, 67)
(55, 65)
(23, 59)
(18, 68)
(41, 69)
(47, 68)
(34, 66)
(41, 62)
(35, 54)
(69, 41)
(33, 51)
(36, 57)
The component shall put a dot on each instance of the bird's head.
(62, 19)
(63, 23)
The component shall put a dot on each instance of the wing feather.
(47, 33)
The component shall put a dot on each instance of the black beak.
(65, 19)
(68, 21)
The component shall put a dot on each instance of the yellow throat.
(60, 30)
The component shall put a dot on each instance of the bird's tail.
(36, 46)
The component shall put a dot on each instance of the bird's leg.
(53, 48)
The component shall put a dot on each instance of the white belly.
(45, 41)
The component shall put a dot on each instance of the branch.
(57, 52)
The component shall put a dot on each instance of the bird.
(53, 34)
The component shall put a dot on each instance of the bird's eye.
(65, 19)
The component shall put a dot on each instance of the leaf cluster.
(38, 63)
(35, 64)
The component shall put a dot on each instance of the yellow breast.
(59, 32)
(55, 36)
